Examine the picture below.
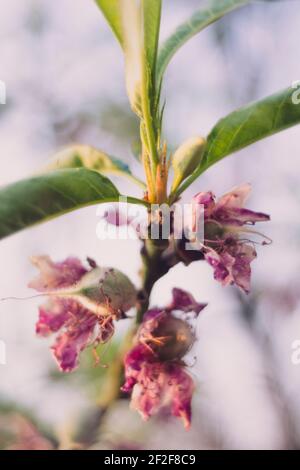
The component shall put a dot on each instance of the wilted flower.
(83, 303)
(226, 238)
(154, 367)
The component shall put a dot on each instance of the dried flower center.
(172, 339)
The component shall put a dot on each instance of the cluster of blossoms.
(84, 302)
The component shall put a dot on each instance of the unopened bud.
(186, 159)
(103, 291)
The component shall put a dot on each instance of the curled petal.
(149, 391)
(207, 199)
(182, 388)
(222, 265)
(56, 275)
(158, 385)
(76, 337)
(67, 348)
(241, 270)
(153, 313)
(185, 302)
(233, 266)
(239, 216)
(133, 363)
(78, 328)
(229, 210)
(51, 317)
(236, 197)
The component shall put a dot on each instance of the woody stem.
(155, 265)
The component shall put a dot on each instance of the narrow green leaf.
(141, 22)
(40, 198)
(111, 11)
(198, 21)
(248, 125)
(136, 24)
(135, 58)
(85, 156)
(152, 15)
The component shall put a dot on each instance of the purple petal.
(206, 199)
(233, 266)
(153, 313)
(157, 385)
(182, 388)
(133, 364)
(235, 198)
(222, 265)
(241, 270)
(239, 216)
(56, 275)
(148, 392)
(70, 343)
(51, 318)
(185, 302)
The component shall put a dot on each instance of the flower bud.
(186, 159)
(103, 290)
(108, 284)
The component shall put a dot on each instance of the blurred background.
(64, 75)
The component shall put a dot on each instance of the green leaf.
(40, 198)
(136, 25)
(84, 156)
(141, 22)
(248, 125)
(198, 21)
(111, 11)
(152, 16)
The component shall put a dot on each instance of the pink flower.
(83, 303)
(226, 245)
(154, 370)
